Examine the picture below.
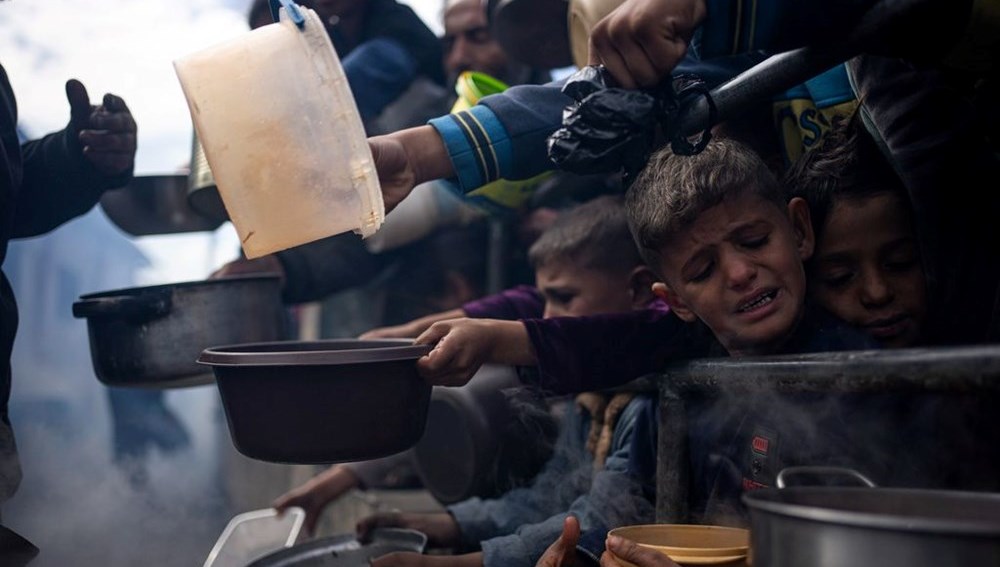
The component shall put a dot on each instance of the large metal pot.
(469, 447)
(152, 336)
(872, 527)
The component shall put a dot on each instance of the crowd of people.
(827, 218)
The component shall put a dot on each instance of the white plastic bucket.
(283, 136)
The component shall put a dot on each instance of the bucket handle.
(291, 9)
(822, 471)
(135, 309)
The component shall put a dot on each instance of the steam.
(81, 509)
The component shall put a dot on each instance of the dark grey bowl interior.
(314, 402)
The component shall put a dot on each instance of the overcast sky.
(126, 47)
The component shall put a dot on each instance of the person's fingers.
(604, 52)
(608, 560)
(632, 552)
(114, 103)
(570, 535)
(104, 141)
(109, 163)
(79, 103)
(433, 334)
(312, 518)
(112, 122)
(562, 552)
(366, 525)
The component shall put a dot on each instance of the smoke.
(82, 509)
(741, 439)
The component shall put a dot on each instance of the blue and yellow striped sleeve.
(477, 144)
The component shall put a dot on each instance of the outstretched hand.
(462, 346)
(641, 41)
(562, 552)
(106, 133)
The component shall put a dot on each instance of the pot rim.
(172, 286)
(269, 353)
(773, 501)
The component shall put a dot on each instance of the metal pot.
(345, 550)
(462, 453)
(152, 336)
(872, 527)
(155, 204)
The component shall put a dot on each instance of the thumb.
(79, 103)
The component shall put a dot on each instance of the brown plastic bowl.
(690, 544)
(313, 402)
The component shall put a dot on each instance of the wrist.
(336, 481)
(426, 153)
(512, 345)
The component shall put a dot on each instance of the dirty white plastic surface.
(252, 535)
(283, 136)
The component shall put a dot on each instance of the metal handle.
(291, 9)
(132, 308)
(822, 471)
(783, 71)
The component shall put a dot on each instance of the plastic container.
(252, 535)
(283, 137)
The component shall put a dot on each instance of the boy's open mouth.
(757, 301)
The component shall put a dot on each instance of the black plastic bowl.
(312, 402)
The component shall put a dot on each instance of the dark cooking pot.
(152, 336)
(314, 402)
(472, 445)
(344, 550)
(872, 527)
(155, 204)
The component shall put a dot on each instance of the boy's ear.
(798, 213)
(640, 282)
(676, 304)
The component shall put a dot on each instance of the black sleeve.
(318, 269)
(58, 184)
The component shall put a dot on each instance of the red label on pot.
(760, 444)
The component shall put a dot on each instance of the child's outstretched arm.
(462, 346)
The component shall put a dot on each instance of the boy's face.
(738, 268)
(573, 291)
(867, 269)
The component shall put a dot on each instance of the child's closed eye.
(837, 278)
(703, 274)
(756, 242)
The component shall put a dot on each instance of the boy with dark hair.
(867, 269)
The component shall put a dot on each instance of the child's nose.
(740, 271)
(874, 291)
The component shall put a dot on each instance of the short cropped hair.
(846, 165)
(594, 234)
(672, 191)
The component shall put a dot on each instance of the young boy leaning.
(728, 247)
